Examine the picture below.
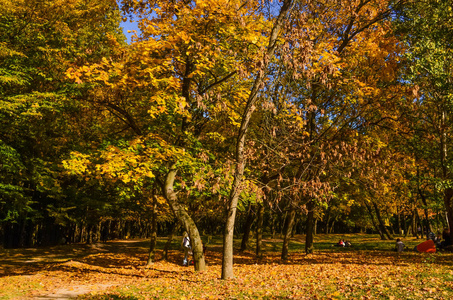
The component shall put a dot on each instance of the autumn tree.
(427, 34)
(342, 71)
(38, 42)
(177, 93)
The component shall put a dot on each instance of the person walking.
(185, 243)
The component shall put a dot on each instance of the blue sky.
(129, 26)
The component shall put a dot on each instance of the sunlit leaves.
(39, 40)
(116, 270)
(183, 83)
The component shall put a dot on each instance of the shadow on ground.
(125, 257)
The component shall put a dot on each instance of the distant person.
(340, 243)
(185, 244)
(399, 246)
(347, 244)
(446, 238)
(438, 239)
(426, 247)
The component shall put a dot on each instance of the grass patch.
(17, 287)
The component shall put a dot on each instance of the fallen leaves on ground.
(121, 274)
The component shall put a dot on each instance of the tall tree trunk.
(227, 258)
(332, 227)
(22, 232)
(182, 215)
(419, 225)
(88, 234)
(153, 241)
(376, 227)
(310, 226)
(448, 197)
(315, 227)
(273, 226)
(413, 224)
(288, 228)
(405, 228)
(171, 234)
(448, 192)
(398, 219)
(247, 228)
(282, 228)
(327, 217)
(259, 229)
(381, 222)
(425, 204)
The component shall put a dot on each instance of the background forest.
(224, 117)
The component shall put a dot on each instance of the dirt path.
(65, 293)
(68, 271)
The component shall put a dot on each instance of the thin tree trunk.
(247, 228)
(182, 215)
(88, 234)
(273, 226)
(376, 227)
(315, 228)
(22, 233)
(310, 224)
(425, 212)
(282, 228)
(153, 242)
(398, 219)
(405, 227)
(332, 227)
(227, 258)
(171, 234)
(288, 228)
(404, 224)
(381, 222)
(414, 224)
(418, 224)
(448, 192)
(326, 227)
(448, 196)
(259, 229)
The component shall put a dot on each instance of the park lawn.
(115, 270)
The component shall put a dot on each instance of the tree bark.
(448, 192)
(425, 204)
(327, 217)
(398, 219)
(332, 227)
(273, 226)
(418, 223)
(259, 230)
(182, 215)
(448, 196)
(376, 227)
(381, 222)
(153, 242)
(173, 229)
(405, 227)
(310, 226)
(227, 258)
(315, 227)
(247, 228)
(288, 228)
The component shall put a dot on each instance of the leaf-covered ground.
(115, 270)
